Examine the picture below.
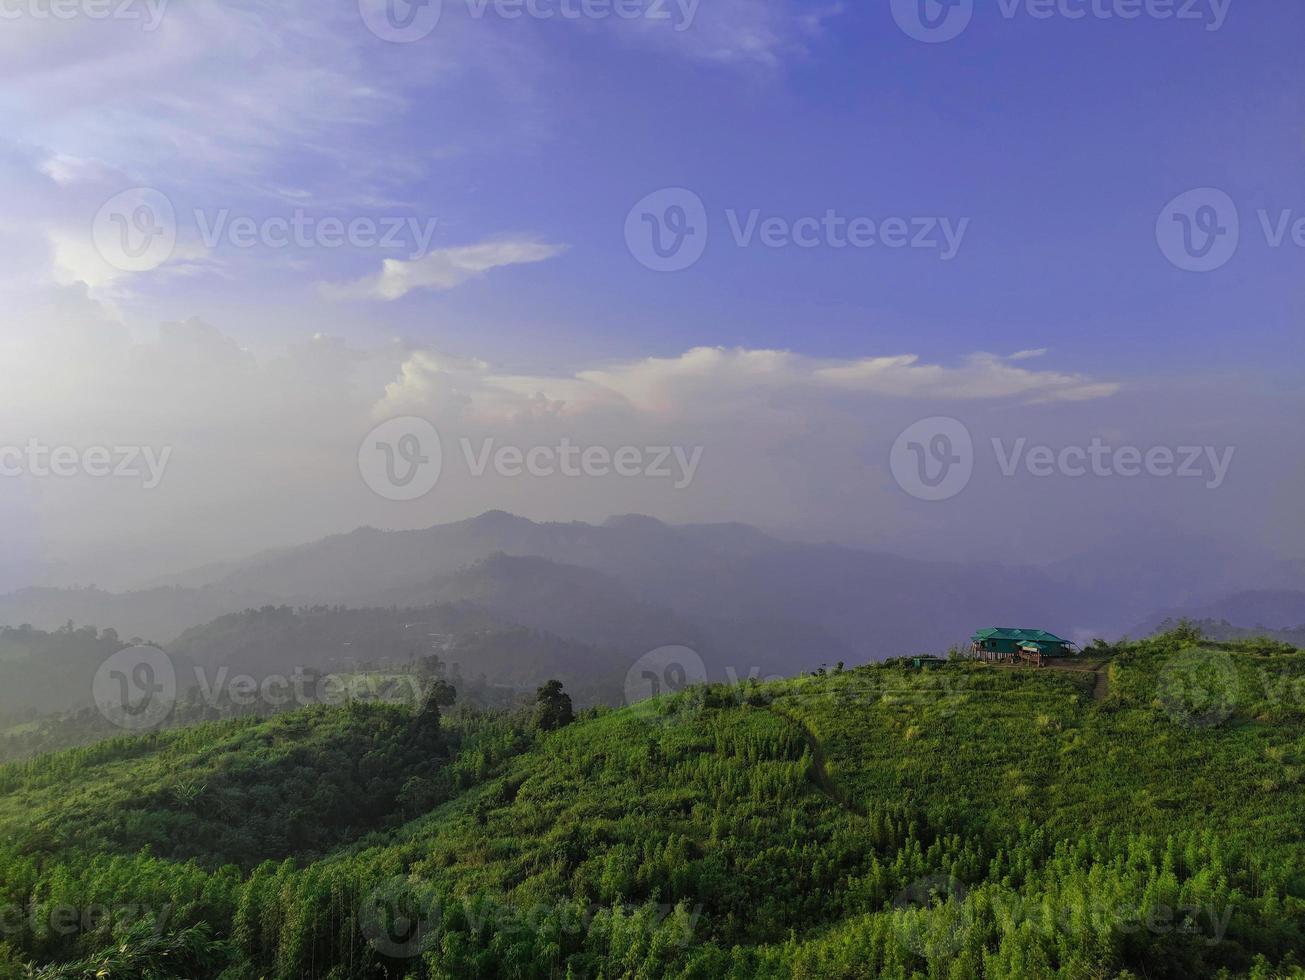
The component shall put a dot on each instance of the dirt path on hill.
(1100, 676)
(823, 780)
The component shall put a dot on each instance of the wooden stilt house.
(1006, 645)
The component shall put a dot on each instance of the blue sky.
(1060, 139)
(1057, 141)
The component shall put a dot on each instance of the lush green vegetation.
(1138, 815)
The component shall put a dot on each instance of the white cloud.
(1024, 355)
(442, 269)
(67, 170)
(978, 376)
(75, 259)
(661, 384)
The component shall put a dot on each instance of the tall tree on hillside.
(426, 726)
(553, 707)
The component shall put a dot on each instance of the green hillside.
(1140, 816)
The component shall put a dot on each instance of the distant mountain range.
(747, 601)
(1274, 610)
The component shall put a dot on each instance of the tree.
(553, 707)
(426, 726)
(440, 694)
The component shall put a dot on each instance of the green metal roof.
(1018, 635)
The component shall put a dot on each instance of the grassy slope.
(1023, 744)
(1006, 756)
(706, 836)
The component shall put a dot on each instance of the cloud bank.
(264, 450)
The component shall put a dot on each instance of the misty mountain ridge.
(1272, 609)
(635, 583)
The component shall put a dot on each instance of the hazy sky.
(983, 222)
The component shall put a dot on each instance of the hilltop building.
(1005, 645)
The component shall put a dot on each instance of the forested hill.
(1135, 814)
(472, 642)
(46, 672)
(46, 679)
